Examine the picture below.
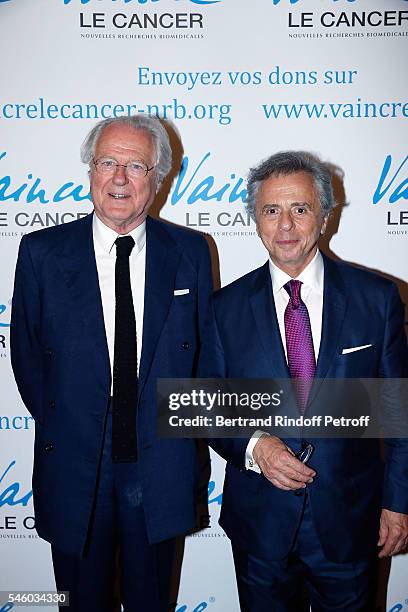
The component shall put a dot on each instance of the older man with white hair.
(102, 307)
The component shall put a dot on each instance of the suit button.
(185, 346)
(299, 492)
(48, 352)
(52, 404)
(49, 447)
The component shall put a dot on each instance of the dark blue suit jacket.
(349, 489)
(61, 364)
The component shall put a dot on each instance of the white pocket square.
(353, 349)
(181, 291)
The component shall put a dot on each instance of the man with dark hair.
(307, 511)
(102, 307)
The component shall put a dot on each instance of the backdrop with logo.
(239, 80)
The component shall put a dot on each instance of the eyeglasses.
(305, 452)
(107, 167)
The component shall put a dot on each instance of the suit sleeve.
(213, 365)
(25, 343)
(205, 289)
(394, 364)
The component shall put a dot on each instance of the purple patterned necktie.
(299, 343)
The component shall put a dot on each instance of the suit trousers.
(117, 540)
(304, 578)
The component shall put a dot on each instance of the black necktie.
(124, 444)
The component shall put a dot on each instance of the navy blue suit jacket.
(60, 360)
(350, 488)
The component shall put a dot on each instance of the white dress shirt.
(105, 254)
(311, 293)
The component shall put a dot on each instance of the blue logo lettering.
(7, 606)
(396, 608)
(199, 608)
(3, 308)
(211, 489)
(9, 495)
(205, 189)
(31, 190)
(398, 189)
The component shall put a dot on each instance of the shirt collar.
(312, 276)
(105, 237)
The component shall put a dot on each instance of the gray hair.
(149, 124)
(290, 162)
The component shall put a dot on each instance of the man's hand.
(393, 533)
(280, 466)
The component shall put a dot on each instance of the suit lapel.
(77, 263)
(162, 260)
(263, 309)
(334, 310)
